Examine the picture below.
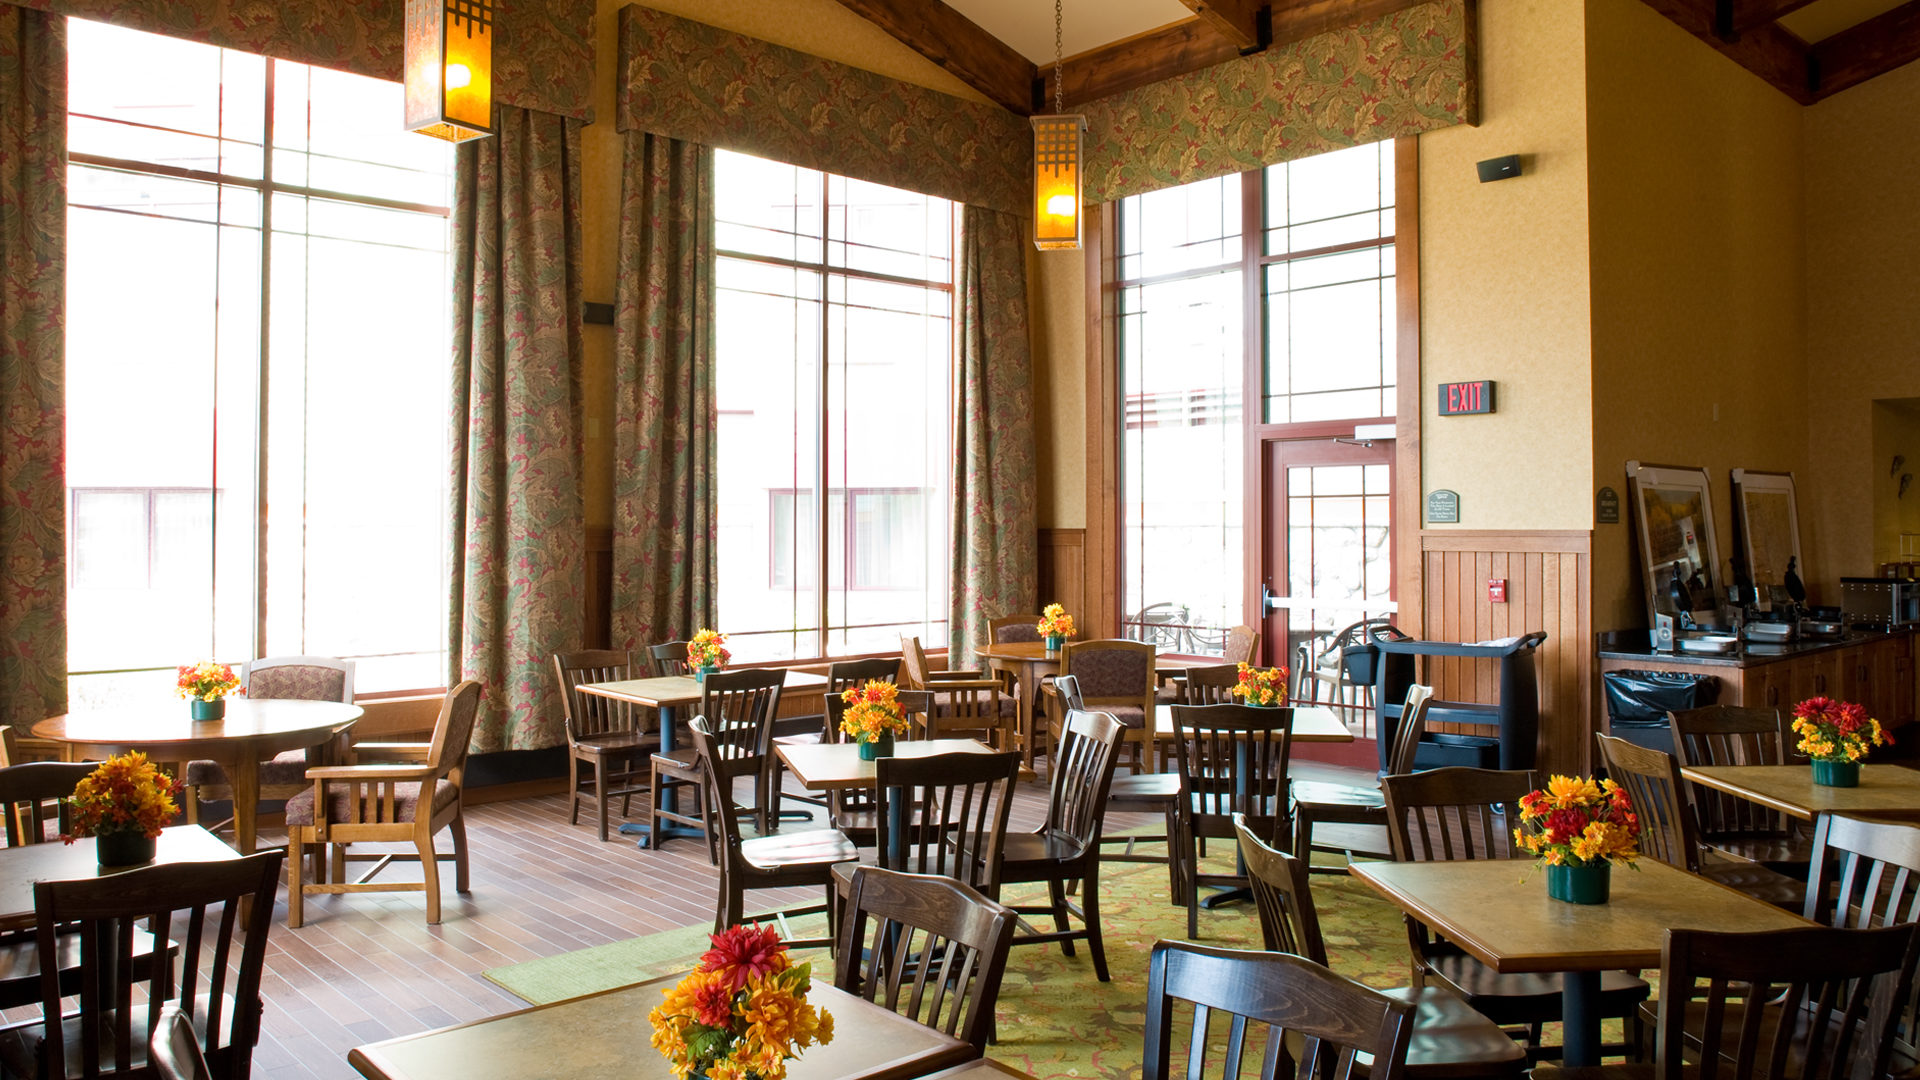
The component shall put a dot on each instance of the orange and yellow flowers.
(207, 681)
(743, 1012)
(1261, 686)
(1054, 622)
(125, 794)
(1832, 730)
(708, 649)
(1577, 822)
(872, 711)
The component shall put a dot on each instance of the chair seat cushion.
(287, 767)
(789, 849)
(1525, 998)
(1145, 787)
(1130, 716)
(406, 802)
(1321, 793)
(1451, 1039)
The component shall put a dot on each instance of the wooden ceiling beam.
(958, 44)
(1242, 22)
(1297, 20)
(1769, 51)
(1874, 47)
(1735, 17)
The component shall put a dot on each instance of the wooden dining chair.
(927, 947)
(669, 658)
(1449, 1038)
(783, 860)
(303, 678)
(1232, 761)
(1461, 813)
(1291, 1001)
(387, 804)
(1742, 828)
(966, 704)
(1066, 847)
(606, 738)
(1839, 987)
(1009, 629)
(222, 911)
(740, 707)
(1144, 792)
(841, 675)
(953, 809)
(1116, 677)
(1653, 784)
(1362, 806)
(174, 1047)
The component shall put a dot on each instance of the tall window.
(257, 341)
(1320, 348)
(835, 315)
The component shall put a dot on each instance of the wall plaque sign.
(1606, 507)
(1443, 507)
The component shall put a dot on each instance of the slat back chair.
(9, 745)
(1116, 677)
(1840, 985)
(967, 704)
(218, 986)
(174, 1048)
(1153, 792)
(1211, 685)
(855, 811)
(30, 794)
(304, 678)
(1333, 1019)
(740, 707)
(608, 744)
(669, 658)
(388, 804)
(941, 799)
(1321, 802)
(1232, 760)
(1289, 922)
(1867, 874)
(927, 947)
(1729, 735)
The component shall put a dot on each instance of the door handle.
(1270, 601)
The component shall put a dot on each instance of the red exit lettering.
(1466, 397)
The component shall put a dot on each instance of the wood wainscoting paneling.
(1063, 568)
(1549, 579)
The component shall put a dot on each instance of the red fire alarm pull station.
(1465, 398)
(1497, 590)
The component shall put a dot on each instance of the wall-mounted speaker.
(1500, 168)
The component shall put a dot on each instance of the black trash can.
(1638, 703)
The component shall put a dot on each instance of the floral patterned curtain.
(665, 511)
(995, 557)
(519, 515)
(33, 276)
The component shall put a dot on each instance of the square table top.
(673, 691)
(838, 766)
(1311, 723)
(21, 866)
(605, 1036)
(1790, 788)
(1499, 912)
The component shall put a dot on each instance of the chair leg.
(573, 789)
(193, 804)
(431, 874)
(337, 859)
(458, 828)
(600, 795)
(1057, 893)
(1090, 915)
(296, 892)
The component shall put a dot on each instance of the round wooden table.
(251, 732)
(1028, 661)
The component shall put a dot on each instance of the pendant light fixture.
(450, 68)
(1056, 165)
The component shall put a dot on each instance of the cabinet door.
(1898, 689)
(1858, 680)
(1814, 676)
(1767, 686)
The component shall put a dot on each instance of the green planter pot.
(700, 674)
(207, 710)
(124, 848)
(1580, 884)
(1054, 641)
(876, 749)
(1836, 773)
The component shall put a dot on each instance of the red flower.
(1814, 708)
(1564, 825)
(713, 1004)
(745, 950)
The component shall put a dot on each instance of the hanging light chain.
(1059, 99)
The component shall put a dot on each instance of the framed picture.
(1767, 520)
(1673, 511)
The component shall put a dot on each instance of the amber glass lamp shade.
(1056, 181)
(450, 68)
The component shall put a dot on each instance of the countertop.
(1749, 654)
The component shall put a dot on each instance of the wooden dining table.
(1790, 789)
(253, 730)
(1499, 912)
(606, 1036)
(839, 767)
(21, 866)
(667, 695)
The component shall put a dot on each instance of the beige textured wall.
(1503, 278)
(1896, 431)
(1863, 323)
(821, 27)
(1698, 274)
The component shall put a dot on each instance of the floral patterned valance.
(1409, 72)
(542, 58)
(691, 81)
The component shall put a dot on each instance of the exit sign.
(1461, 398)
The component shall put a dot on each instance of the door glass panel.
(1338, 571)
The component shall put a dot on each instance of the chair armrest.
(401, 751)
(974, 674)
(373, 772)
(939, 685)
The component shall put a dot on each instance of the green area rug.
(1055, 1019)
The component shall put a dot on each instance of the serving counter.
(1875, 670)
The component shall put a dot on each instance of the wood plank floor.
(368, 967)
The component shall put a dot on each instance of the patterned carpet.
(1055, 1019)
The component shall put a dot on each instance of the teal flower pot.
(700, 675)
(1580, 884)
(877, 748)
(124, 848)
(1836, 773)
(1054, 641)
(208, 710)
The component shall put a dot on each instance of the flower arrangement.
(873, 711)
(1054, 622)
(742, 1013)
(125, 794)
(1837, 731)
(1261, 686)
(1576, 822)
(708, 649)
(207, 681)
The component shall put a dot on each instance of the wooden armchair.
(966, 704)
(402, 803)
(1116, 678)
(303, 678)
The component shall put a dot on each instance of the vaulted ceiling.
(1808, 49)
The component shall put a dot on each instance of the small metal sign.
(1606, 507)
(1443, 507)
(1466, 398)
